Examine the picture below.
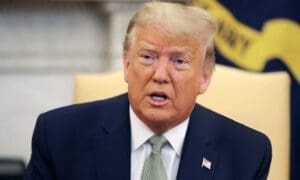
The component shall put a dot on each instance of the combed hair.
(179, 19)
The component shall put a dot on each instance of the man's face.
(164, 75)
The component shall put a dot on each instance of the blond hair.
(179, 19)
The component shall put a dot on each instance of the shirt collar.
(176, 136)
(140, 133)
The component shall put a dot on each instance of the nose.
(161, 73)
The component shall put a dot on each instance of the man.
(156, 131)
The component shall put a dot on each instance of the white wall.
(52, 39)
(41, 49)
(23, 97)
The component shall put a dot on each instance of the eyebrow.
(172, 50)
(148, 47)
(147, 50)
(180, 51)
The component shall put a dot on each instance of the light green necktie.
(153, 167)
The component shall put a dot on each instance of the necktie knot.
(157, 141)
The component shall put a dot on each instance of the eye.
(180, 63)
(147, 58)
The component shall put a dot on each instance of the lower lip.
(155, 102)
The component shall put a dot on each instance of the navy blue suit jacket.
(92, 141)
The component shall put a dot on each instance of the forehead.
(158, 37)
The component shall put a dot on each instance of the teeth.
(158, 98)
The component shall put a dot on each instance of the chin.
(158, 121)
(158, 115)
(158, 125)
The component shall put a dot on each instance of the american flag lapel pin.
(206, 163)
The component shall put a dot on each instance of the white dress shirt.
(141, 149)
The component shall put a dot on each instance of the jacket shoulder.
(85, 117)
(226, 127)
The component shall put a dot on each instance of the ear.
(205, 80)
(125, 65)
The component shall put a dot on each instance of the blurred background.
(44, 44)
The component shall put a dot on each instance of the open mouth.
(158, 97)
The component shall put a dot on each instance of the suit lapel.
(112, 149)
(198, 144)
(112, 154)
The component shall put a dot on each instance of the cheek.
(186, 87)
(138, 77)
